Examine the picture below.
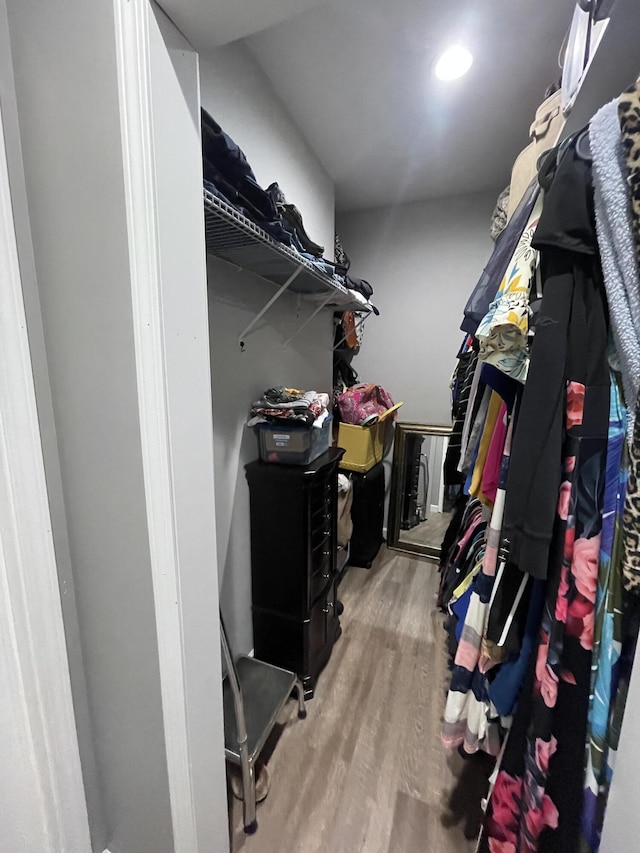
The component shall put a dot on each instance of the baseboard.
(434, 508)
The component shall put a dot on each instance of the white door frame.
(36, 709)
(188, 641)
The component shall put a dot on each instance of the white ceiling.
(212, 23)
(356, 76)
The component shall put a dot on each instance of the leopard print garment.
(629, 116)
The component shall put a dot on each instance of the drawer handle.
(328, 607)
(328, 575)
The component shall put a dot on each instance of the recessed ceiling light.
(453, 63)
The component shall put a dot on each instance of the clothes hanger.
(583, 145)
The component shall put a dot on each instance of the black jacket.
(570, 344)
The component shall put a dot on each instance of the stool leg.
(302, 711)
(249, 791)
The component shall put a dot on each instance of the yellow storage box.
(364, 446)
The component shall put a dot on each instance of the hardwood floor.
(365, 772)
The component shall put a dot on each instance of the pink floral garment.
(538, 791)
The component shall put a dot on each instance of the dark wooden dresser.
(294, 563)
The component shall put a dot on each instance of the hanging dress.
(608, 636)
(536, 803)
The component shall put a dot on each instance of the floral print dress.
(537, 799)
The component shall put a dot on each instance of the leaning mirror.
(419, 503)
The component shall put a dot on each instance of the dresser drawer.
(323, 529)
(320, 494)
(320, 570)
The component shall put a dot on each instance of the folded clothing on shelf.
(229, 176)
(360, 285)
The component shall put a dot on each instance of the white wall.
(423, 260)
(41, 788)
(66, 83)
(48, 433)
(238, 96)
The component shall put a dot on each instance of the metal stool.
(254, 693)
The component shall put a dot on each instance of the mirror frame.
(397, 489)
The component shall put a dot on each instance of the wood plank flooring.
(365, 772)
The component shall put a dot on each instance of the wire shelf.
(232, 237)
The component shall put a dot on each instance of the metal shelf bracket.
(272, 301)
(308, 320)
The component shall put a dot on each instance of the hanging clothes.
(542, 625)
(493, 412)
(504, 330)
(477, 420)
(617, 246)
(538, 795)
(537, 799)
(631, 539)
(491, 472)
(461, 390)
(629, 117)
(463, 550)
(469, 718)
(608, 635)
(485, 290)
(499, 215)
(571, 325)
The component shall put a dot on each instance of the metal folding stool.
(254, 693)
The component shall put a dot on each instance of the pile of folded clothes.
(290, 407)
(228, 176)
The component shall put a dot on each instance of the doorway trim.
(191, 685)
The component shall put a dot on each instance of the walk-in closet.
(320, 457)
